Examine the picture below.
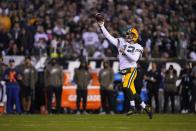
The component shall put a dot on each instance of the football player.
(129, 53)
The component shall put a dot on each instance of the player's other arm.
(100, 22)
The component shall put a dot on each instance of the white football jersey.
(131, 54)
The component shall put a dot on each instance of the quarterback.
(129, 53)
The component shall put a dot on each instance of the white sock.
(132, 103)
(143, 105)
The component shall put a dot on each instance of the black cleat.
(131, 111)
(148, 110)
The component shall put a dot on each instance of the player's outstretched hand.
(100, 19)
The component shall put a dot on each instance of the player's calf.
(131, 111)
(148, 110)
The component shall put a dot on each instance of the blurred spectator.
(106, 78)
(4, 41)
(27, 90)
(15, 31)
(192, 53)
(12, 77)
(2, 68)
(163, 25)
(193, 90)
(69, 52)
(53, 81)
(59, 28)
(183, 41)
(26, 41)
(41, 39)
(13, 49)
(82, 78)
(5, 20)
(2, 83)
(91, 40)
(161, 76)
(185, 77)
(153, 86)
(170, 88)
(3, 97)
(56, 47)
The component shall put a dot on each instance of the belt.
(126, 71)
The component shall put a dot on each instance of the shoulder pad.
(139, 48)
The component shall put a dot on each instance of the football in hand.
(99, 17)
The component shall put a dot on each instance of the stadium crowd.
(67, 29)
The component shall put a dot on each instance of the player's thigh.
(132, 85)
(129, 78)
(126, 79)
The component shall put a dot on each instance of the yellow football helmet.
(134, 32)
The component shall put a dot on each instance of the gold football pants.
(128, 80)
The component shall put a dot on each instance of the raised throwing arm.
(100, 22)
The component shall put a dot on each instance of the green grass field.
(138, 122)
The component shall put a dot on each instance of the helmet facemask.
(132, 35)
